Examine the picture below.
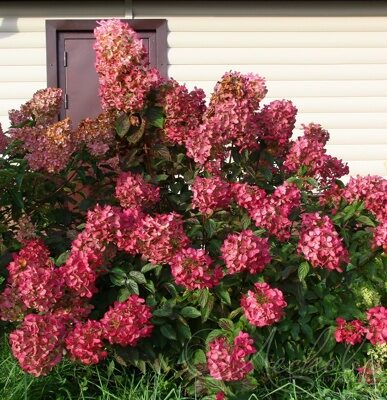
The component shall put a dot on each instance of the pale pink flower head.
(377, 325)
(228, 362)
(160, 237)
(264, 305)
(126, 323)
(132, 191)
(49, 147)
(320, 244)
(210, 194)
(124, 76)
(84, 343)
(193, 269)
(245, 252)
(38, 343)
(350, 332)
(44, 105)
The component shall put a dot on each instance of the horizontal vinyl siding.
(330, 59)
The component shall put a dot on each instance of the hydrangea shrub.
(171, 233)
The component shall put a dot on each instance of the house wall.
(330, 58)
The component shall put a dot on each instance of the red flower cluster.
(264, 306)
(183, 111)
(85, 343)
(132, 191)
(230, 118)
(245, 252)
(124, 76)
(276, 122)
(38, 343)
(228, 362)
(270, 212)
(309, 151)
(126, 323)
(377, 325)
(193, 269)
(210, 194)
(349, 332)
(320, 244)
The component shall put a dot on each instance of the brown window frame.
(55, 26)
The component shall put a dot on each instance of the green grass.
(70, 381)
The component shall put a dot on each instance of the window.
(71, 59)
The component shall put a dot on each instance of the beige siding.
(329, 59)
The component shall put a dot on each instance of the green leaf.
(138, 277)
(365, 220)
(208, 308)
(122, 125)
(210, 227)
(226, 324)
(168, 332)
(224, 295)
(62, 258)
(132, 285)
(213, 335)
(190, 312)
(118, 280)
(184, 331)
(163, 312)
(303, 270)
(162, 177)
(155, 116)
(148, 267)
(199, 357)
(124, 294)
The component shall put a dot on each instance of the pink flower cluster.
(349, 332)
(210, 194)
(320, 244)
(160, 237)
(264, 305)
(124, 76)
(276, 121)
(84, 343)
(44, 105)
(38, 344)
(132, 191)
(380, 236)
(230, 118)
(270, 212)
(97, 134)
(42, 108)
(352, 332)
(87, 253)
(377, 325)
(48, 147)
(3, 140)
(228, 362)
(33, 283)
(126, 323)
(183, 111)
(309, 151)
(193, 269)
(370, 189)
(245, 252)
